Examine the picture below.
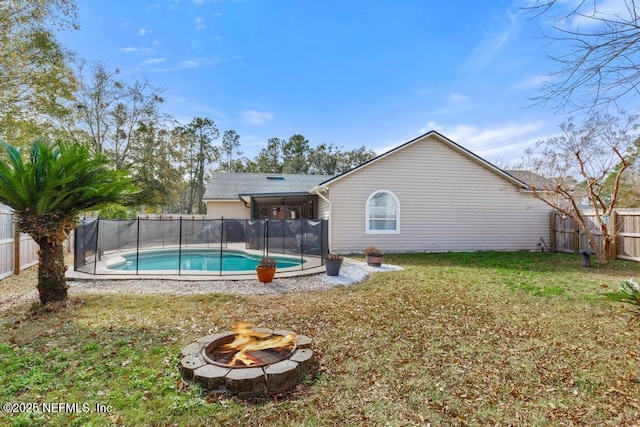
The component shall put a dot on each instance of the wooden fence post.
(16, 252)
(554, 236)
(576, 237)
(613, 247)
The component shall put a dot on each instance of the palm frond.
(62, 179)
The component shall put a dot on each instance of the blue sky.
(351, 72)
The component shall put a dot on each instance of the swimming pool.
(193, 260)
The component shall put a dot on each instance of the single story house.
(427, 195)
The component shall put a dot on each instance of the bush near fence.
(566, 235)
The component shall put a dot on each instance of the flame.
(247, 340)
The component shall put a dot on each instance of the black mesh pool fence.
(133, 246)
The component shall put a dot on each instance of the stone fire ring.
(246, 382)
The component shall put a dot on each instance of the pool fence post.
(75, 247)
(322, 248)
(265, 237)
(221, 236)
(118, 235)
(302, 242)
(180, 247)
(245, 234)
(95, 254)
(138, 246)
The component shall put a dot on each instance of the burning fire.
(247, 340)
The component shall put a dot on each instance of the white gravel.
(352, 272)
(18, 290)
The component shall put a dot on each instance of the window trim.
(368, 230)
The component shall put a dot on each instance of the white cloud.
(187, 64)
(143, 32)
(457, 98)
(506, 142)
(255, 117)
(453, 103)
(131, 49)
(184, 110)
(532, 81)
(492, 41)
(153, 61)
(591, 14)
(480, 137)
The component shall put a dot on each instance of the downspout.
(317, 190)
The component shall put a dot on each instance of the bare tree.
(602, 65)
(597, 154)
(113, 114)
(98, 93)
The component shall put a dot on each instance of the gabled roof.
(531, 179)
(444, 140)
(230, 186)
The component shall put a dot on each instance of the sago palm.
(48, 185)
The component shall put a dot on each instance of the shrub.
(115, 211)
(268, 262)
(372, 250)
(630, 294)
(333, 257)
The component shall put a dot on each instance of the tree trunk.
(52, 284)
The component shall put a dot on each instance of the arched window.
(383, 213)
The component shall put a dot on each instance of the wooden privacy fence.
(17, 251)
(566, 235)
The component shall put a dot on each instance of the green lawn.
(454, 339)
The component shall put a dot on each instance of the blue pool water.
(195, 260)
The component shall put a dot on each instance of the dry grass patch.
(454, 339)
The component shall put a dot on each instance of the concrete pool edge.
(111, 263)
(313, 264)
(80, 276)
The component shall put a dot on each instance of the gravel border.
(351, 273)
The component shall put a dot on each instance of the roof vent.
(276, 177)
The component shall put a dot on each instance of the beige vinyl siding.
(227, 209)
(448, 202)
(323, 208)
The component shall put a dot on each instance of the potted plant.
(266, 269)
(374, 256)
(332, 263)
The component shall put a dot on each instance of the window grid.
(382, 213)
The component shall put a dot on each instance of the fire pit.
(248, 362)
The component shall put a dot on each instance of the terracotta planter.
(375, 260)
(265, 274)
(333, 267)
